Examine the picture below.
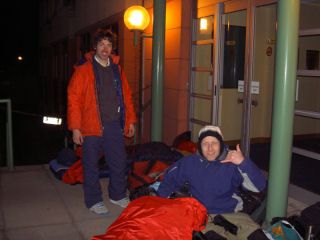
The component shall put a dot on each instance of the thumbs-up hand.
(235, 156)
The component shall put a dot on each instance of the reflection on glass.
(234, 48)
(263, 69)
(309, 53)
(309, 15)
(204, 55)
(203, 83)
(204, 28)
(199, 114)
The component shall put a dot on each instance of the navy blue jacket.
(212, 183)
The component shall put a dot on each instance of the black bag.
(251, 200)
(144, 190)
(67, 157)
(228, 226)
(310, 216)
(148, 189)
(210, 235)
(258, 235)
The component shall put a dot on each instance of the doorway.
(241, 87)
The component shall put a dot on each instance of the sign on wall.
(254, 87)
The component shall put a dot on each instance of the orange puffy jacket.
(83, 111)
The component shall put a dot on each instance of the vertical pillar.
(10, 163)
(283, 108)
(159, 13)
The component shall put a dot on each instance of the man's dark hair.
(101, 34)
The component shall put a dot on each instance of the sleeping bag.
(151, 217)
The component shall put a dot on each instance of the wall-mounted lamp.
(136, 19)
(203, 24)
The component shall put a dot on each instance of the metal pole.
(247, 95)
(159, 10)
(135, 37)
(283, 108)
(9, 134)
(10, 153)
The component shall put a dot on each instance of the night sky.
(20, 82)
(19, 21)
(20, 37)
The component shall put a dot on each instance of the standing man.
(214, 174)
(100, 112)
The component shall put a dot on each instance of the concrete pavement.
(35, 205)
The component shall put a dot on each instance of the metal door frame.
(220, 9)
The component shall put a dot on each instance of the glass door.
(233, 70)
(246, 89)
(234, 29)
(202, 95)
(263, 72)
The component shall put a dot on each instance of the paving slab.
(88, 223)
(73, 199)
(303, 195)
(32, 214)
(1, 217)
(49, 232)
(30, 199)
(2, 226)
(19, 187)
(90, 228)
(295, 207)
(2, 236)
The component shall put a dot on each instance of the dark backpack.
(67, 157)
(149, 162)
(310, 216)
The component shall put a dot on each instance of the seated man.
(214, 173)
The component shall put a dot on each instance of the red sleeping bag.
(188, 146)
(74, 174)
(152, 217)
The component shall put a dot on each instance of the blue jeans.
(112, 145)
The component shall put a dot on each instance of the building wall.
(62, 30)
(131, 62)
(176, 75)
(62, 20)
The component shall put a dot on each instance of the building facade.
(215, 51)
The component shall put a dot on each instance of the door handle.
(253, 102)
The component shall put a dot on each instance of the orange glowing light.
(203, 24)
(136, 18)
